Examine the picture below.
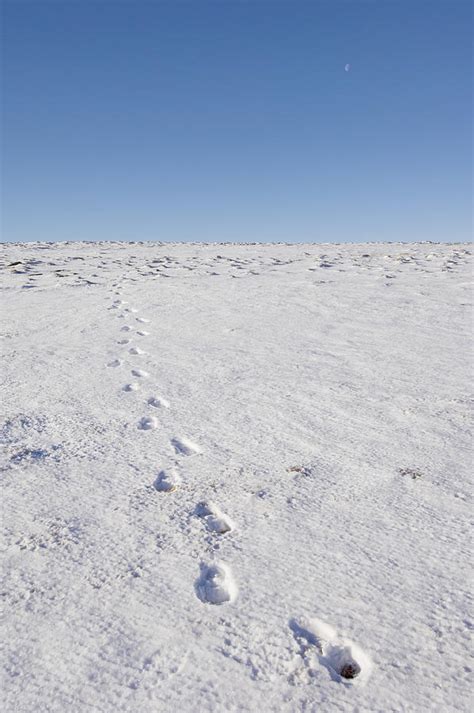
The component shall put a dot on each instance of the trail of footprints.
(215, 584)
(345, 661)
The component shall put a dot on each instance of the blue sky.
(236, 121)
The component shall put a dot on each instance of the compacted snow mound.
(193, 467)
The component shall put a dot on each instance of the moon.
(347, 67)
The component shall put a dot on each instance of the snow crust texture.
(236, 477)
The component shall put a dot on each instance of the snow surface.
(260, 501)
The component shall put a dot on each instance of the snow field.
(207, 515)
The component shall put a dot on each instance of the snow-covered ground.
(235, 477)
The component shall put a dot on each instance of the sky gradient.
(236, 121)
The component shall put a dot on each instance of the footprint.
(140, 373)
(157, 402)
(131, 309)
(143, 320)
(123, 341)
(136, 350)
(148, 423)
(216, 584)
(126, 328)
(345, 661)
(185, 447)
(115, 363)
(215, 519)
(131, 387)
(167, 481)
(142, 333)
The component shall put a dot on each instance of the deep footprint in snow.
(131, 387)
(215, 519)
(140, 373)
(157, 402)
(142, 333)
(167, 481)
(185, 447)
(126, 328)
(216, 584)
(115, 363)
(148, 423)
(123, 341)
(143, 320)
(136, 350)
(345, 661)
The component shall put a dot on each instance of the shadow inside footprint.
(216, 521)
(115, 363)
(185, 447)
(216, 584)
(147, 423)
(157, 402)
(167, 481)
(345, 661)
(130, 387)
